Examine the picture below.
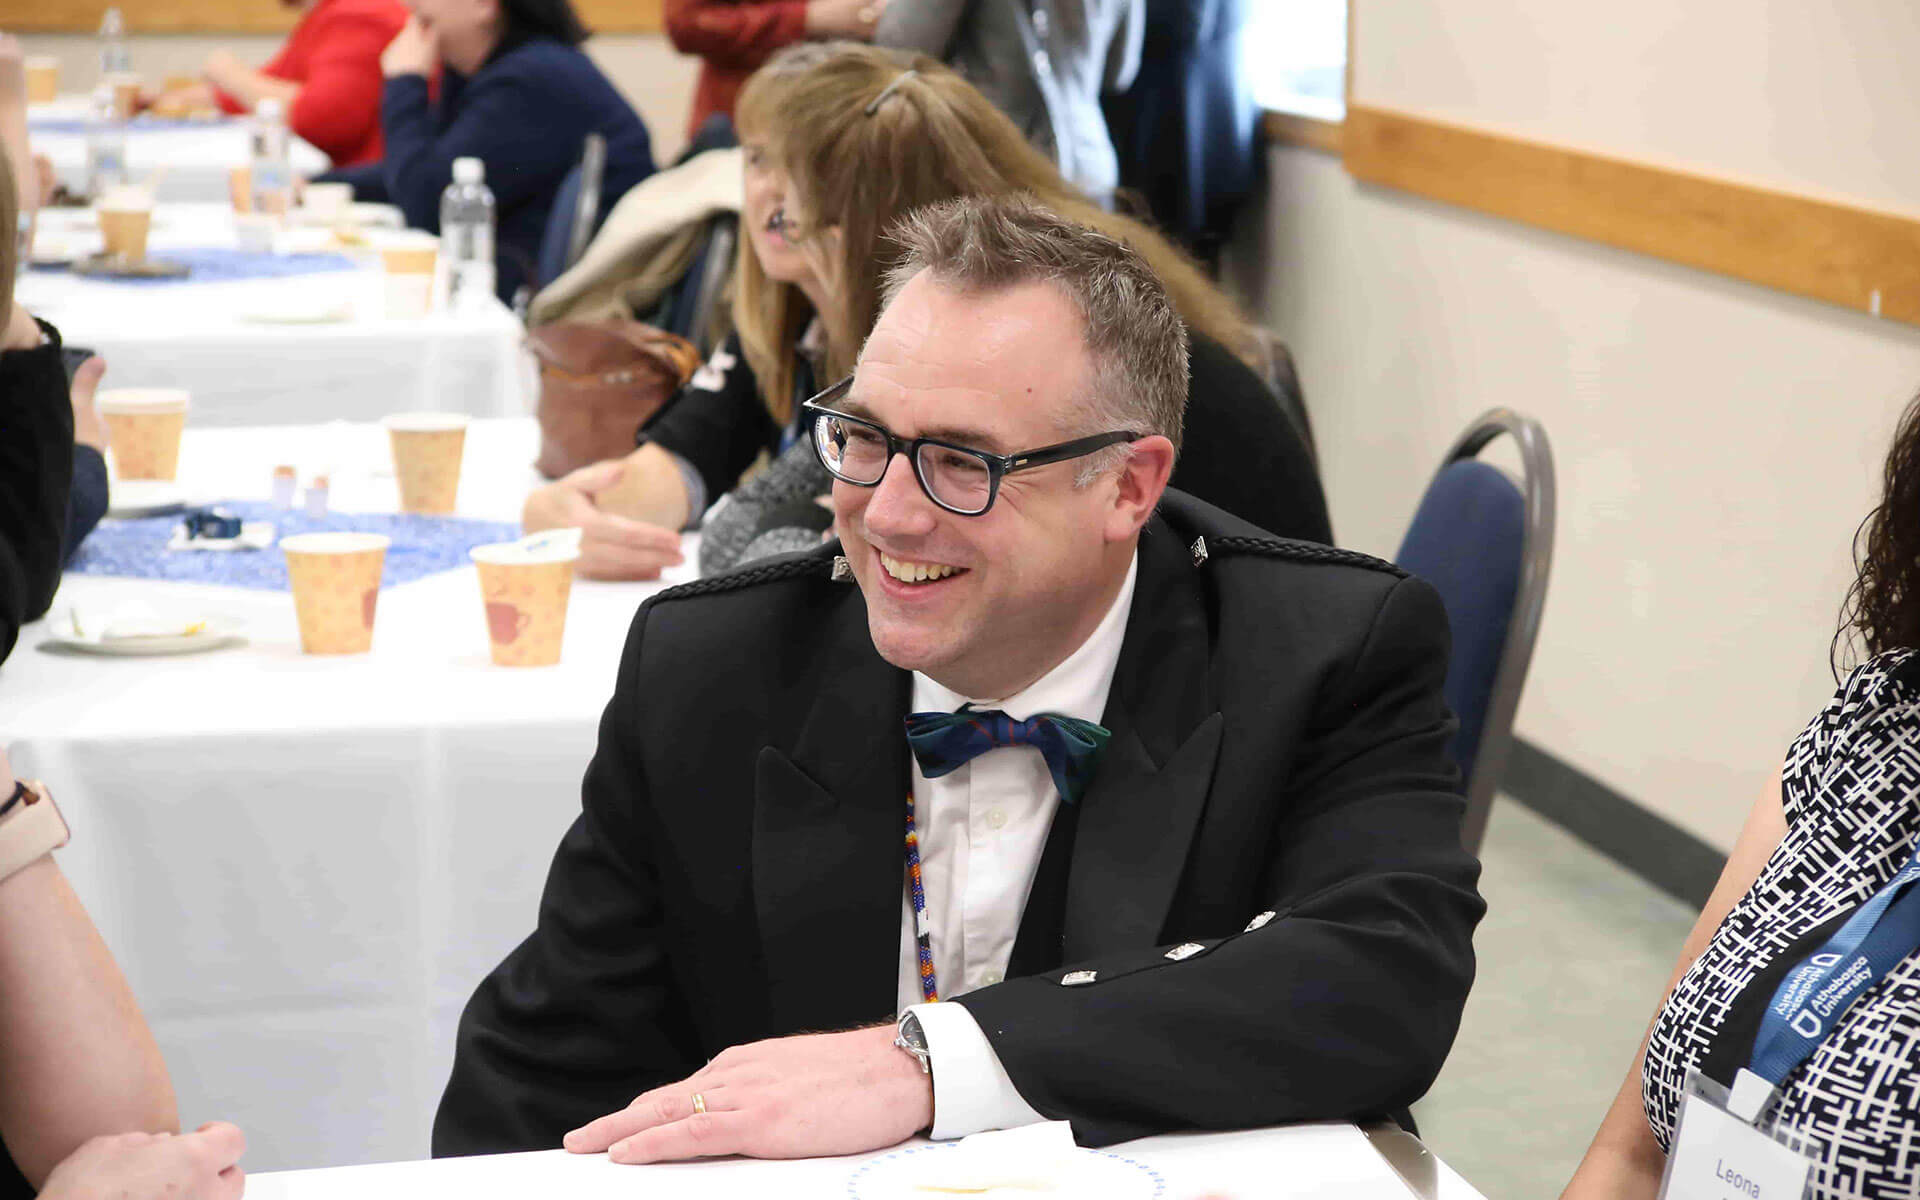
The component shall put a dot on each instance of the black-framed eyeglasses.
(960, 479)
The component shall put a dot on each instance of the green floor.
(1573, 954)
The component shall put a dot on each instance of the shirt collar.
(1078, 687)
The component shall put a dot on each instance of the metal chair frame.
(586, 212)
(1538, 490)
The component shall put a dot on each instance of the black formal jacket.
(1279, 746)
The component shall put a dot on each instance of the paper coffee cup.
(336, 583)
(409, 262)
(524, 587)
(143, 430)
(426, 458)
(43, 79)
(126, 95)
(125, 215)
(240, 188)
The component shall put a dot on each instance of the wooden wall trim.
(1297, 129)
(261, 16)
(1858, 257)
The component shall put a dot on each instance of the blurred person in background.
(732, 38)
(326, 77)
(807, 294)
(1831, 836)
(1045, 63)
(514, 91)
(1186, 130)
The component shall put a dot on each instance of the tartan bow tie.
(944, 742)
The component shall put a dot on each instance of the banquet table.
(189, 159)
(305, 865)
(291, 349)
(1299, 1162)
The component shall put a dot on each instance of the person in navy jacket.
(513, 90)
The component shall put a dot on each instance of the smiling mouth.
(908, 571)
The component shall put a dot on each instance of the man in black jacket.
(1238, 899)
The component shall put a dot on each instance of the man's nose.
(898, 507)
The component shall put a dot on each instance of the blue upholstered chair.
(575, 215)
(1485, 542)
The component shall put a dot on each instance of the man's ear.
(1138, 485)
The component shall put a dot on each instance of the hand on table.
(844, 18)
(611, 546)
(411, 52)
(151, 1166)
(89, 428)
(795, 1097)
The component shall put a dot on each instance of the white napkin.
(134, 619)
(1030, 1159)
(254, 535)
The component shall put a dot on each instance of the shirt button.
(989, 978)
(996, 818)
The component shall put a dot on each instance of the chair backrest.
(1485, 543)
(575, 215)
(690, 307)
(1285, 382)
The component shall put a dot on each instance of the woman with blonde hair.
(855, 140)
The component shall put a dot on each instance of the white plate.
(219, 631)
(1095, 1175)
(144, 497)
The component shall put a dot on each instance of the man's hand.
(411, 52)
(153, 1166)
(796, 1097)
(854, 19)
(611, 546)
(89, 429)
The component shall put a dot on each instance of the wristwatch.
(31, 827)
(911, 1038)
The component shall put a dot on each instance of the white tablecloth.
(1301, 1162)
(191, 163)
(304, 865)
(221, 340)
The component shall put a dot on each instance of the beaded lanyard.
(922, 928)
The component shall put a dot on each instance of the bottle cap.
(270, 107)
(469, 170)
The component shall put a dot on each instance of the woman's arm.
(76, 1059)
(738, 36)
(246, 86)
(338, 105)
(1624, 1162)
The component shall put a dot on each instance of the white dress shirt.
(981, 831)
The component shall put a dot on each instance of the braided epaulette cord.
(769, 572)
(1312, 552)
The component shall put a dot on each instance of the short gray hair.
(1135, 338)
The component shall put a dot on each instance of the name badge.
(1718, 1156)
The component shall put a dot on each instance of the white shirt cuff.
(971, 1090)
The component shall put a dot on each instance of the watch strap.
(31, 830)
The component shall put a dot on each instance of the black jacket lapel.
(829, 819)
(1139, 814)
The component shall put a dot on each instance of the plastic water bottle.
(114, 58)
(106, 144)
(272, 173)
(466, 235)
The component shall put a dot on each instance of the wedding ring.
(699, 1103)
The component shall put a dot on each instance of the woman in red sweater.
(327, 75)
(733, 37)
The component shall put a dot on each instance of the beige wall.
(1813, 97)
(1716, 443)
(656, 79)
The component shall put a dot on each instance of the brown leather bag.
(599, 382)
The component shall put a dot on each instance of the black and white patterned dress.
(1851, 791)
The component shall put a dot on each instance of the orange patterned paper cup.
(525, 597)
(426, 458)
(336, 583)
(43, 79)
(126, 94)
(143, 429)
